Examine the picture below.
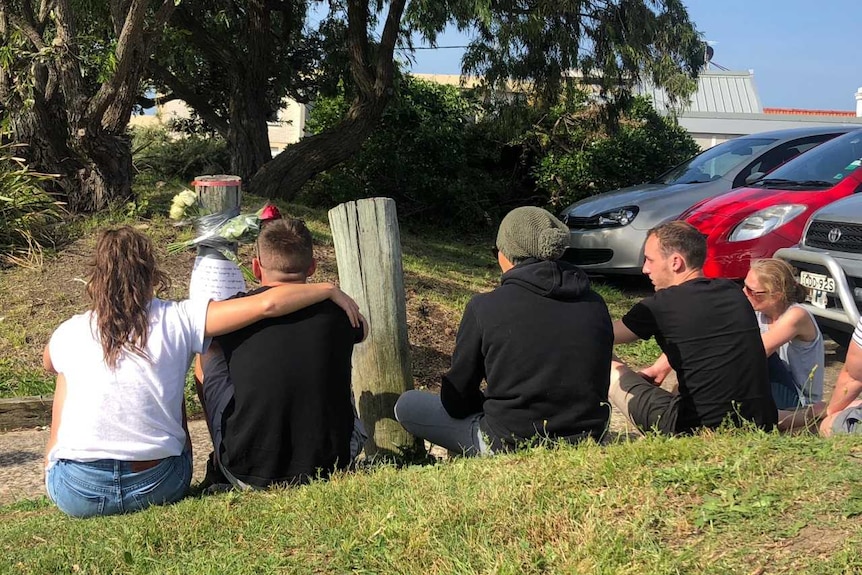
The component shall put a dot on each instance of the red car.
(753, 222)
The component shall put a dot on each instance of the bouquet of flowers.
(219, 232)
(184, 206)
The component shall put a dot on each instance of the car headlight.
(618, 217)
(764, 221)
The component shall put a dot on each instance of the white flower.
(187, 198)
(177, 212)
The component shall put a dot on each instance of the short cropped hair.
(284, 245)
(682, 238)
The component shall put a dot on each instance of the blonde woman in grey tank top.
(792, 340)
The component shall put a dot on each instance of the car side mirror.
(753, 177)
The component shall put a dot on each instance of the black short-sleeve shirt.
(708, 330)
(291, 417)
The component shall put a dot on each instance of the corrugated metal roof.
(717, 92)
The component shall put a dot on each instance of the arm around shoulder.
(230, 315)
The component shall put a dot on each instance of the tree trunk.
(107, 176)
(95, 168)
(69, 129)
(248, 133)
(291, 169)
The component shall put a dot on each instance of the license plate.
(817, 298)
(817, 282)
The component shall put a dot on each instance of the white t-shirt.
(132, 413)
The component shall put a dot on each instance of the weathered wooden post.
(213, 275)
(368, 251)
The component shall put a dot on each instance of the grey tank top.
(804, 360)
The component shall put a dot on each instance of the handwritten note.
(215, 279)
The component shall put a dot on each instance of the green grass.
(442, 271)
(727, 502)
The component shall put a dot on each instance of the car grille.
(576, 223)
(585, 257)
(837, 236)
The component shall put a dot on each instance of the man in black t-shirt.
(708, 334)
(277, 394)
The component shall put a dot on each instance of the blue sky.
(805, 54)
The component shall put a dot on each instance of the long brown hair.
(123, 279)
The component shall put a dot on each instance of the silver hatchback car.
(608, 230)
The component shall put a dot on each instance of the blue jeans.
(422, 414)
(785, 392)
(109, 487)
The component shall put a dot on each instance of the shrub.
(169, 155)
(428, 153)
(447, 158)
(579, 157)
(28, 214)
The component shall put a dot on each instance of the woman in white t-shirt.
(119, 441)
(792, 339)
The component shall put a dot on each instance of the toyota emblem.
(834, 235)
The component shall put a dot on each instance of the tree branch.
(29, 31)
(112, 104)
(202, 38)
(385, 50)
(197, 102)
(357, 45)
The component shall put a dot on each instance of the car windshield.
(823, 167)
(715, 162)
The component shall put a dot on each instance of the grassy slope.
(735, 502)
(723, 503)
(441, 274)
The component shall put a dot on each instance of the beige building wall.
(287, 129)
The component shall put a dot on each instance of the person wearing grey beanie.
(531, 232)
(542, 342)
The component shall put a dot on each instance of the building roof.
(801, 112)
(718, 92)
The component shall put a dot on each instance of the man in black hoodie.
(542, 341)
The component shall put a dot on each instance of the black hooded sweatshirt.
(543, 342)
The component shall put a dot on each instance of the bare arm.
(622, 334)
(658, 371)
(46, 361)
(849, 383)
(230, 315)
(794, 323)
(56, 412)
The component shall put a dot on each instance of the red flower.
(269, 212)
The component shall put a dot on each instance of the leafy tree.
(235, 62)
(613, 43)
(70, 73)
(557, 46)
(428, 153)
(72, 70)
